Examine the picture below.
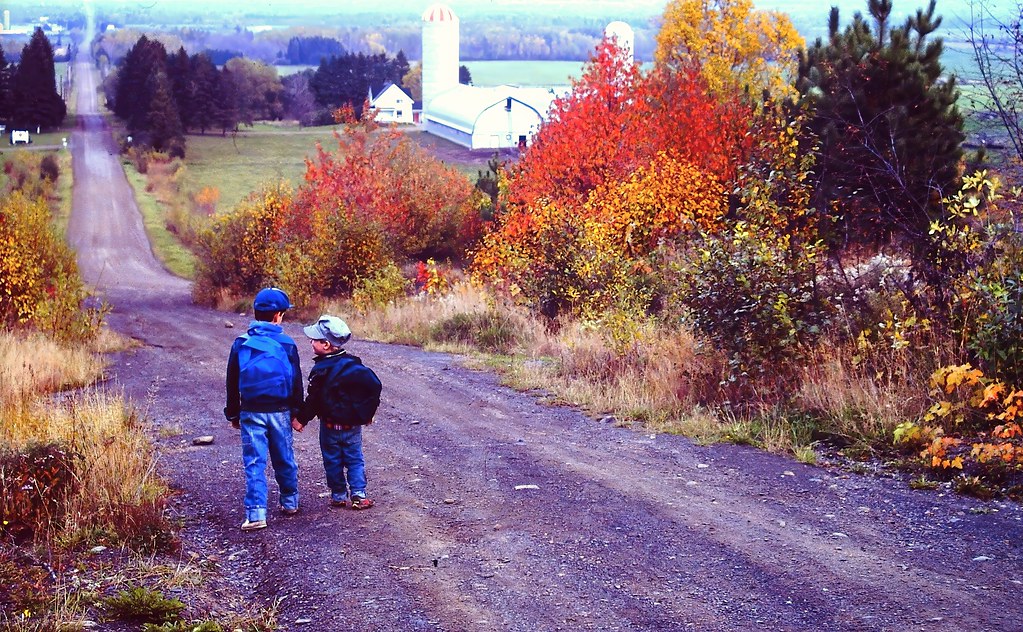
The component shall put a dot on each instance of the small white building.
(392, 105)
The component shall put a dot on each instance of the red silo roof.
(439, 13)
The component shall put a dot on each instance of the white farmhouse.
(392, 105)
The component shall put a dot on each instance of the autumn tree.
(626, 162)
(736, 46)
(378, 176)
(616, 119)
(413, 82)
(885, 121)
(34, 98)
(258, 89)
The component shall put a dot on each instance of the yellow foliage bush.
(39, 283)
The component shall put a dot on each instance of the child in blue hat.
(264, 399)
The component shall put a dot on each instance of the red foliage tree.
(616, 119)
(379, 177)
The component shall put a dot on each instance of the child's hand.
(296, 425)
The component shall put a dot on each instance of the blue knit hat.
(271, 299)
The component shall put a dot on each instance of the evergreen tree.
(226, 95)
(399, 68)
(179, 71)
(885, 121)
(5, 87)
(163, 124)
(133, 94)
(204, 112)
(34, 98)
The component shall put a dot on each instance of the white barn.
(392, 105)
(483, 118)
(489, 118)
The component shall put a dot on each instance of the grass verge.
(174, 255)
(87, 537)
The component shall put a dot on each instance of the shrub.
(142, 604)
(48, 168)
(753, 295)
(239, 251)
(379, 289)
(989, 309)
(39, 282)
(34, 487)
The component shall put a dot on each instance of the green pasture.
(269, 153)
(238, 165)
(523, 73)
(283, 70)
(495, 73)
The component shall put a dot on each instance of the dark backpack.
(353, 395)
(264, 370)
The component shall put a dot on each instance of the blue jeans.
(342, 450)
(264, 433)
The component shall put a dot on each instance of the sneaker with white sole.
(252, 525)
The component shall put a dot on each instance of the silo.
(624, 36)
(7, 20)
(440, 52)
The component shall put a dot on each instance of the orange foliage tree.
(379, 199)
(616, 119)
(626, 162)
(377, 176)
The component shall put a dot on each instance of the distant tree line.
(488, 39)
(162, 96)
(28, 90)
(310, 51)
(348, 79)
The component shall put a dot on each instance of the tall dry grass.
(665, 378)
(660, 378)
(115, 488)
(858, 401)
(32, 363)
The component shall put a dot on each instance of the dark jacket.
(293, 403)
(341, 391)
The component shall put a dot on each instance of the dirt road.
(497, 513)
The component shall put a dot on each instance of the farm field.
(239, 165)
(495, 73)
(267, 154)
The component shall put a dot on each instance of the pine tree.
(179, 71)
(204, 106)
(34, 98)
(226, 97)
(5, 87)
(133, 96)
(888, 132)
(163, 125)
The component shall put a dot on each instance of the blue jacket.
(341, 391)
(294, 401)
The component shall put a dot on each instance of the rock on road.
(498, 513)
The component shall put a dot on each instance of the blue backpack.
(265, 372)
